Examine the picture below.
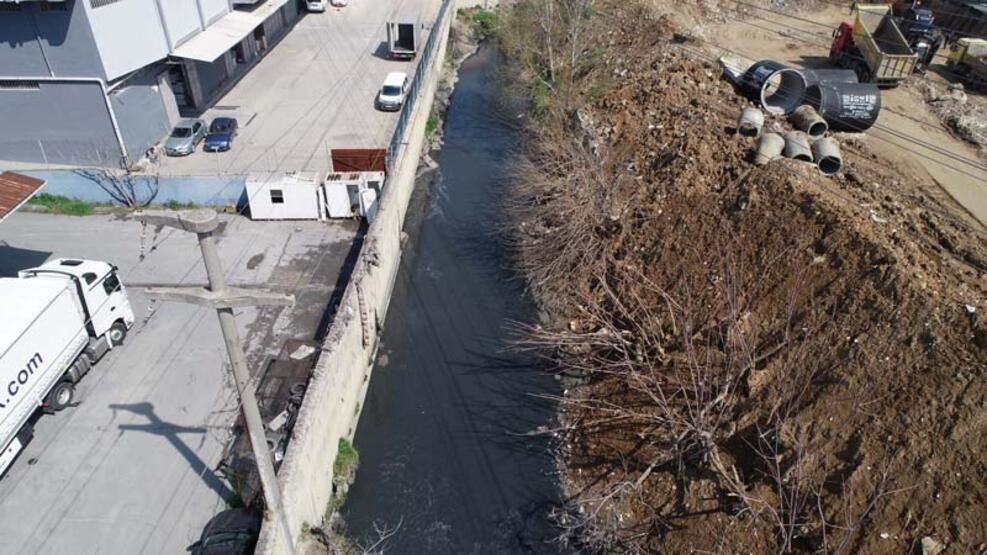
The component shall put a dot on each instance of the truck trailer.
(873, 46)
(968, 60)
(402, 39)
(58, 320)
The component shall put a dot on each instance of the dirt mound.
(761, 359)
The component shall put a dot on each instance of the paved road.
(313, 91)
(129, 470)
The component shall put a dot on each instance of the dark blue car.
(221, 134)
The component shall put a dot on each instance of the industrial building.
(99, 82)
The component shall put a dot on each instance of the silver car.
(184, 137)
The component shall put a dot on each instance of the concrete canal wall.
(338, 387)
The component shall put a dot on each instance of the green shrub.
(346, 458)
(58, 204)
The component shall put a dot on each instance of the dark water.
(439, 444)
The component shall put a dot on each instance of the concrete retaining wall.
(335, 395)
(204, 190)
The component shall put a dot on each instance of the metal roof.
(15, 190)
(225, 33)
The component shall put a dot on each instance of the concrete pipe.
(769, 147)
(797, 146)
(846, 106)
(778, 87)
(805, 118)
(816, 76)
(751, 120)
(826, 153)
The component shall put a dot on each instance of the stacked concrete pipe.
(805, 118)
(826, 155)
(797, 146)
(835, 94)
(750, 122)
(769, 147)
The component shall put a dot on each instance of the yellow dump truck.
(969, 60)
(873, 46)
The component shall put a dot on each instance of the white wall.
(212, 9)
(182, 18)
(128, 35)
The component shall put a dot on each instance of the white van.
(391, 94)
(315, 6)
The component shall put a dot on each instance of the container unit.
(352, 194)
(284, 196)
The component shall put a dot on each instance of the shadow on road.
(171, 432)
(13, 259)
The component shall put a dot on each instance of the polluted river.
(445, 462)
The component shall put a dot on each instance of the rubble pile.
(757, 358)
(966, 117)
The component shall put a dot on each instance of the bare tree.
(123, 184)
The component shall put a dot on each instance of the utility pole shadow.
(171, 432)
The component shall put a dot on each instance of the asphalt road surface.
(130, 469)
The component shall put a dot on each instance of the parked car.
(184, 137)
(391, 94)
(339, 3)
(231, 532)
(315, 6)
(222, 131)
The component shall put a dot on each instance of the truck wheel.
(117, 333)
(60, 396)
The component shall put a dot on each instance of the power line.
(825, 45)
(813, 22)
(904, 136)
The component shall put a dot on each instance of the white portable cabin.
(284, 196)
(351, 194)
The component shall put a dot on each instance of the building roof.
(225, 32)
(15, 190)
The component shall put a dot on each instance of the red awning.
(15, 190)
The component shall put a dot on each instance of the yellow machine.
(873, 46)
(969, 60)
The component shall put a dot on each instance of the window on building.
(54, 6)
(101, 3)
(10, 7)
(19, 85)
(277, 196)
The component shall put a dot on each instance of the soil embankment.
(761, 358)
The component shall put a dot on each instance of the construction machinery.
(873, 46)
(968, 60)
(917, 24)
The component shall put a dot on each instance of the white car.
(339, 3)
(315, 6)
(391, 94)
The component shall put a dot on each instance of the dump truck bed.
(883, 47)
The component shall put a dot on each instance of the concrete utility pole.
(203, 222)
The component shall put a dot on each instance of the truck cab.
(104, 300)
(842, 40)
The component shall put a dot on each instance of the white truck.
(402, 39)
(57, 321)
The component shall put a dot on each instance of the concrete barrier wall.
(204, 190)
(338, 387)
